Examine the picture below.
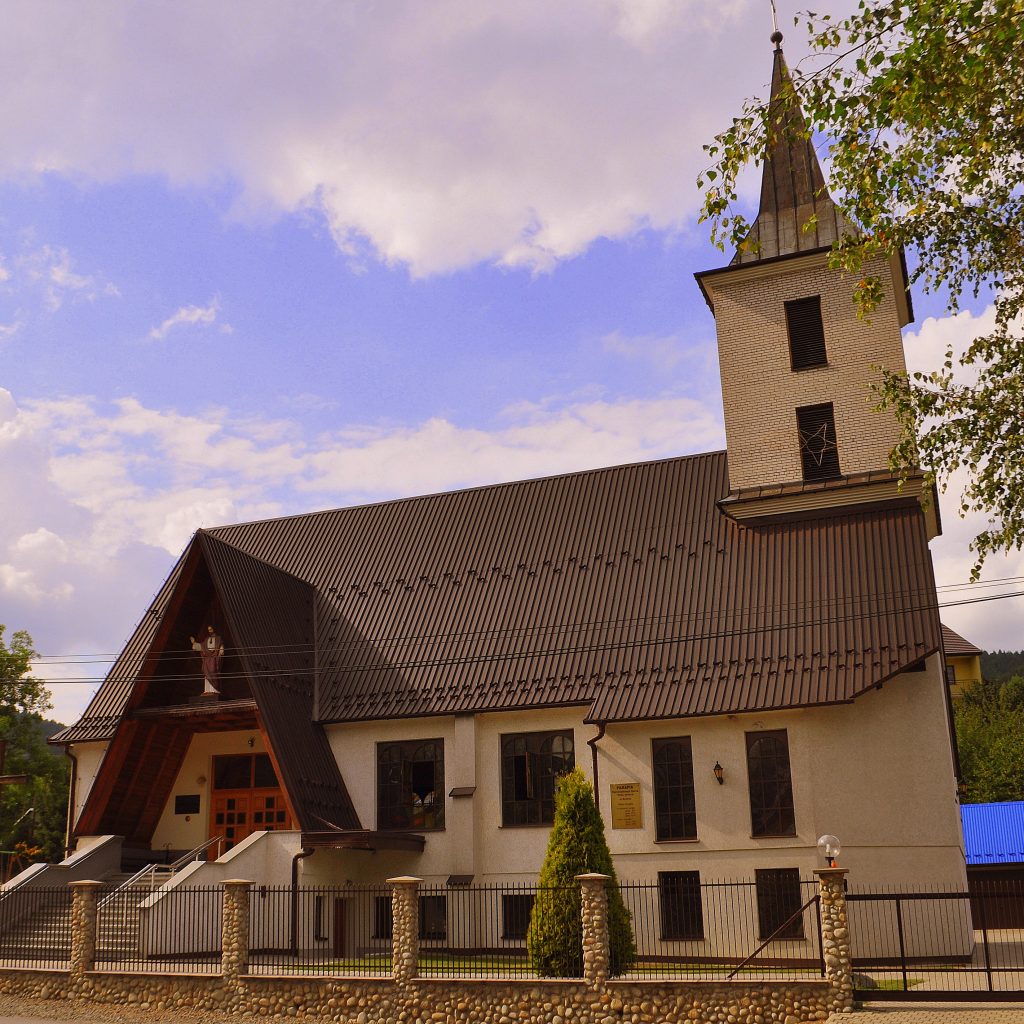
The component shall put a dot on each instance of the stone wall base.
(439, 1000)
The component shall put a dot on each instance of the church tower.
(801, 429)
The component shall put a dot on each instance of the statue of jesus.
(211, 650)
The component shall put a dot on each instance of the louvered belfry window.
(819, 452)
(806, 333)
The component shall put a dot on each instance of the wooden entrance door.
(339, 927)
(246, 798)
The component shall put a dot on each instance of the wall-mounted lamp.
(719, 773)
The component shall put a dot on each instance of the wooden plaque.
(627, 810)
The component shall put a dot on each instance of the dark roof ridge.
(212, 530)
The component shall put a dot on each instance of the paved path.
(933, 1013)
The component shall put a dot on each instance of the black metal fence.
(173, 930)
(684, 928)
(342, 930)
(491, 930)
(35, 927)
(914, 944)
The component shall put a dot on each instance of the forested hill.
(998, 666)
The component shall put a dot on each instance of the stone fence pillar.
(835, 938)
(596, 945)
(405, 928)
(83, 926)
(234, 955)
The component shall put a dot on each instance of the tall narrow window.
(806, 333)
(819, 452)
(682, 915)
(410, 785)
(771, 787)
(530, 764)
(675, 811)
(778, 900)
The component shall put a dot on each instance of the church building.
(741, 649)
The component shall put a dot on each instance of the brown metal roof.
(793, 188)
(271, 613)
(954, 644)
(625, 590)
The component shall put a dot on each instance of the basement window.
(682, 913)
(806, 333)
(819, 452)
(778, 900)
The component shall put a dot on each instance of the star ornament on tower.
(817, 443)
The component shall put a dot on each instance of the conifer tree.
(577, 845)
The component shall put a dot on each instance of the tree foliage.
(577, 845)
(32, 813)
(990, 738)
(921, 102)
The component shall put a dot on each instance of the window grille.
(675, 810)
(682, 913)
(515, 915)
(530, 764)
(771, 787)
(806, 333)
(778, 898)
(819, 452)
(410, 785)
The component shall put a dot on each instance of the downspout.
(71, 799)
(294, 930)
(592, 743)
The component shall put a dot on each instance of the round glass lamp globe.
(829, 847)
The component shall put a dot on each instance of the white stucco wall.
(89, 757)
(877, 773)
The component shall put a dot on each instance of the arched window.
(530, 764)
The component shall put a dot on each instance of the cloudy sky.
(260, 258)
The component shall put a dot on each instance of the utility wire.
(390, 665)
(340, 647)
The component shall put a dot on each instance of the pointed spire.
(793, 188)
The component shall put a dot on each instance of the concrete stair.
(40, 927)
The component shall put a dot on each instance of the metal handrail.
(151, 870)
(194, 854)
(782, 927)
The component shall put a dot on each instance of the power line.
(327, 648)
(522, 655)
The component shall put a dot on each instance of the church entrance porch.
(246, 798)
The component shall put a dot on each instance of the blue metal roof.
(994, 833)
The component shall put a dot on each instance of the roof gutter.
(592, 743)
(72, 783)
(306, 851)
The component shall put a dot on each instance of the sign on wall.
(627, 810)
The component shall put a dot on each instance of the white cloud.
(109, 495)
(50, 268)
(434, 135)
(989, 624)
(188, 316)
(665, 352)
